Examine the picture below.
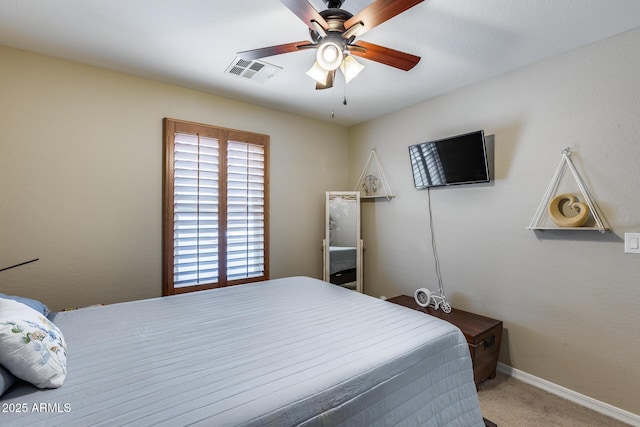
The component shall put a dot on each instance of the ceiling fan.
(333, 33)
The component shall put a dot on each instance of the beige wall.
(81, 179)
(569, 300)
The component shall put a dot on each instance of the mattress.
(284, 352)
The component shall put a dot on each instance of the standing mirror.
(342, 246)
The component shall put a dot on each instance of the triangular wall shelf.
(373, 183)
(540, 219)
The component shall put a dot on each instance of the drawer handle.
(490, 342)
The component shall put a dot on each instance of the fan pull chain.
(344, 94)
(344, 101)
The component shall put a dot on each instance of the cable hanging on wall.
(423, 296)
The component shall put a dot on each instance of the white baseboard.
(565, 393)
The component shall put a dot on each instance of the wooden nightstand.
(483, 335)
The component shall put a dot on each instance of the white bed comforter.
(294, 351)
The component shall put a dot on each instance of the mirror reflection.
(342, 244)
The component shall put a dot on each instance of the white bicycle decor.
(425, 298)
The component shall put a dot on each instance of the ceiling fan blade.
(263, 52)
(384, 55)
(377, 13)
(306, 12)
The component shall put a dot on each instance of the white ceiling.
(192, 42)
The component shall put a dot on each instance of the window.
(215, 207)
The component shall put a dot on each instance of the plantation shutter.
(216, 207)
(245, 210)
(195, 210)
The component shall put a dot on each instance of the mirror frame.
(326, 255)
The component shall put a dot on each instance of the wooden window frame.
(170, 128)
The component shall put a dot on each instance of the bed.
(284, 352)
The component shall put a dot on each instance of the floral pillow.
(31, 347)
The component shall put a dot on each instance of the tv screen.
(460, 159)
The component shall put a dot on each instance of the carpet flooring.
(509, 402)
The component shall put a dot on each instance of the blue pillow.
(6, 380)
(35, 304)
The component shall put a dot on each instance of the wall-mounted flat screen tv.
(460, 159)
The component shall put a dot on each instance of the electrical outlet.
(632, 243)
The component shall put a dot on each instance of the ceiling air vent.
(258, 71)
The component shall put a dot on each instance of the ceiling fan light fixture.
(319, 74)
(350, 68)
(329, 55)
